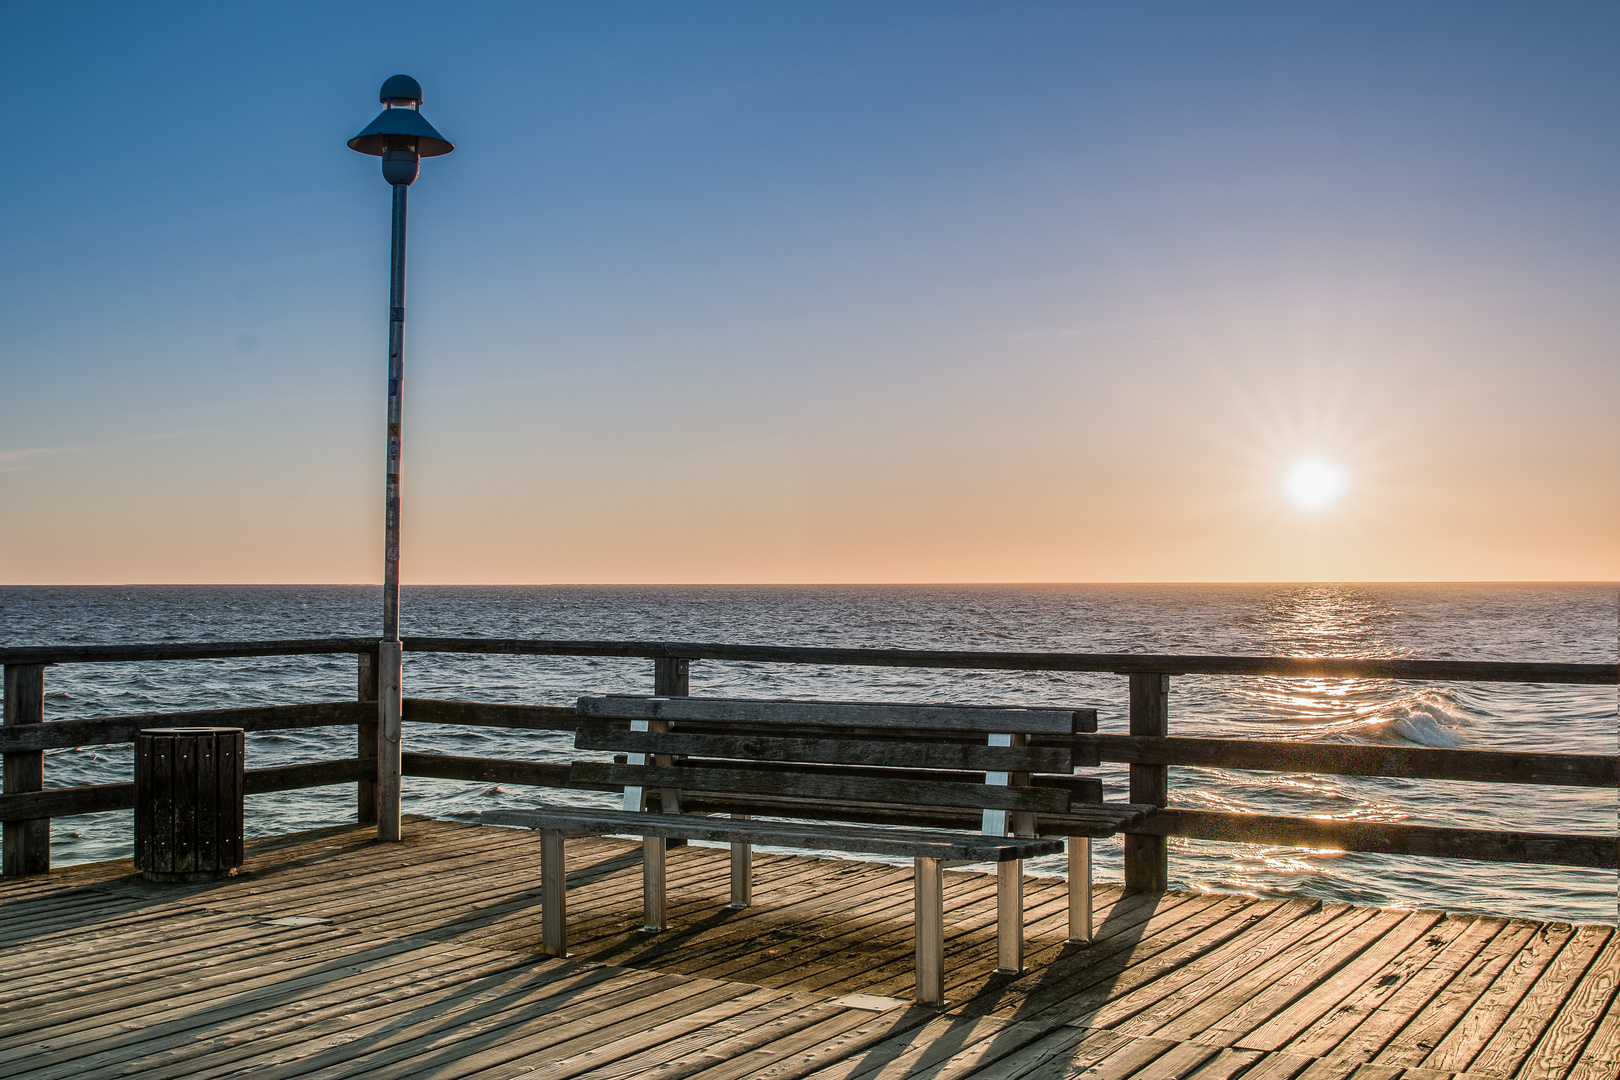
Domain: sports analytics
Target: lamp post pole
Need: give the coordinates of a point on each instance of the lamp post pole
(396, 402)
(401, 136)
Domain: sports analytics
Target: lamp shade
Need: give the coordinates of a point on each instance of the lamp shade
(373, 139)
(403, 96)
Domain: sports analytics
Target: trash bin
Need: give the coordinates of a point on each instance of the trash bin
(188, 803)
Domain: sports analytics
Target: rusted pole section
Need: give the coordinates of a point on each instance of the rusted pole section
(27, 844)
(388, 650)
(366, 741)
(1147, 864)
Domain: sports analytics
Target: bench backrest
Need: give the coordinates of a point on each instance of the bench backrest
(936, 756)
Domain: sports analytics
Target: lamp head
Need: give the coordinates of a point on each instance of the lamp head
(401, 134)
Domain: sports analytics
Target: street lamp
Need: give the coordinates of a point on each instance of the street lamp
(400, 136)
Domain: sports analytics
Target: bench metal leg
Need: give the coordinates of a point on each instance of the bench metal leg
(652, 883)
(930, 920)
(1010, 916)
(1080, 889)
(742, 871)
(553, 894)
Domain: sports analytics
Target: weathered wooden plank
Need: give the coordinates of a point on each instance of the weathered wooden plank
(669, 1053)
(1279, 1032)
(1301, 968)
(400, 1046)
(912, 844)
(1144, 937)
(641, 1045)
(1298, 667)
(1600, 1057)
(96, 798)
(976, 718)
(101, 1010)
(427, 979)
(57, 734)
(1278, 1066)
(565, 1032)
(1414, 1042)
(597, 735)
(180, 650)
(124, 1025)
(805, 784)
(1079, 788)
(1081, 819)
(1189, 1000)
(1419, 988)
(1577, 1020)
(1327, 1036)
(1346, 759)
(1489, 845)
(921, 1051)
(1536, 1011)
(825, 1042)
(308, 1013)
(490, 714)
(491, 770)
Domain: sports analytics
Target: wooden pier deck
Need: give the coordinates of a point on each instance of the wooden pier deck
(333, 955)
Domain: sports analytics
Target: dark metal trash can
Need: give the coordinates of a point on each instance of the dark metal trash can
(188, 803)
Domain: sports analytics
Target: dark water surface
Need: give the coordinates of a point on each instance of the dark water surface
(1473, 622)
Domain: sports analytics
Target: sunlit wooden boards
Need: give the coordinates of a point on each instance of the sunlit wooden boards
(334, 956)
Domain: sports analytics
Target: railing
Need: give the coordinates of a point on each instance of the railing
(26, 806)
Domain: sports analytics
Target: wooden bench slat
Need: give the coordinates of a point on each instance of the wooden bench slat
(1094, 820)
(905, 843)
(966, 718)
(601, 735)
(824, 785)
(1080, 788)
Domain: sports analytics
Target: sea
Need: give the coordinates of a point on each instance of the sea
(1558, 622)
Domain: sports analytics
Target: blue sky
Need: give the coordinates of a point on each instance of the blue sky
(815, 292)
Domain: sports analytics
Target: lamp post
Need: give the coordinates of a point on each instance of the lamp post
(400, 136)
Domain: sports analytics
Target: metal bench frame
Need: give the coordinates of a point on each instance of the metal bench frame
(1007, 834)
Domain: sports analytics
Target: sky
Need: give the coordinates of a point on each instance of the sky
(815, 292)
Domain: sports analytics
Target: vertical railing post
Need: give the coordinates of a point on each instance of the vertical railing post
(1147, 863)
(388, 739)
(366, 740)
(672, 676)
(27, 844)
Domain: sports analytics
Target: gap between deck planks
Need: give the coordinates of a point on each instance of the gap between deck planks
(424, 963)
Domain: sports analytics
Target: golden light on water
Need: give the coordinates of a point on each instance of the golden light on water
(1314, 483)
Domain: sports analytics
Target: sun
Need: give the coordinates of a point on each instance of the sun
(1314, 483)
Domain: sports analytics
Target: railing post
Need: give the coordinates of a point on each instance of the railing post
(27, 844)
(366, 741)
(1147, 863)
(672, 676)
(388, 739)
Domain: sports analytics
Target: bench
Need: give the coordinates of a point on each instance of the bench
(895, 780)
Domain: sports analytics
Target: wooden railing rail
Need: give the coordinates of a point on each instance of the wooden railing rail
(1325, 667)
(181, 650)
(1297, 667)
(1149, 749)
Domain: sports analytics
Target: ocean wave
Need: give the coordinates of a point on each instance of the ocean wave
(1431, 717)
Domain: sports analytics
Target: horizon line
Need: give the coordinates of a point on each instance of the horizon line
(795, 584)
